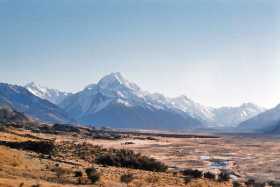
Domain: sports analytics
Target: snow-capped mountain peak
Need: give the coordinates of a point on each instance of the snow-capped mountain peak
(116, 101)
(31, 84)
(115, 81)
(52, 95)
(37, 90)
(113, 78)
(182, 100)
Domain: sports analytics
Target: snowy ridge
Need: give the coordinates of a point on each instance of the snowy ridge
(52, 95)
(193, 108)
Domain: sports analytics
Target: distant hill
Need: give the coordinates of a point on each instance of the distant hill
(20, 99)
(8, 115)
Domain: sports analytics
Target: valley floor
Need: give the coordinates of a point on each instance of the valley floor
(247, 155)
(257, 157)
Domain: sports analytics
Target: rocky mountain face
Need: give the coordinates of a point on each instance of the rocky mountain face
(21, 100)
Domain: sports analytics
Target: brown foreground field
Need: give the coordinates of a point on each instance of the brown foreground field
(245, 157)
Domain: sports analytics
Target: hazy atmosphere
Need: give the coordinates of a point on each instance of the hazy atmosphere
(220, 52)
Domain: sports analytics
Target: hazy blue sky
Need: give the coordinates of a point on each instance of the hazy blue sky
(217, 52)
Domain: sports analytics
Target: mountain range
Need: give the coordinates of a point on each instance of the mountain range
(112, 100)
(20, 99)
(117, 102)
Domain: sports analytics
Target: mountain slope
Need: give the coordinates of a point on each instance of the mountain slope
(116, 102)
(52, 95)
(274, 129)
(262, 122)
(120, 116)
(8, 115)
(23, 101)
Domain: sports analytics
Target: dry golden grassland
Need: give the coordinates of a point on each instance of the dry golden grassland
(246, 156)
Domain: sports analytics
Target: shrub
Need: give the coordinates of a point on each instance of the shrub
(78, 174)
(236, 184)
(80, 179)
(250, 182)
(2, 128)
(224, 176)
(274, 183)
(65, 128)
(129, 159)
(36, 185)
(260, 184)
(253, 183)
(92, 175)
(193, 173)
(129, 143)
(174, 173)
(152, 179)
(43, 147)
(127, 178)
(209, 175)
(60, 171)
(151, 138)
(187, 179)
